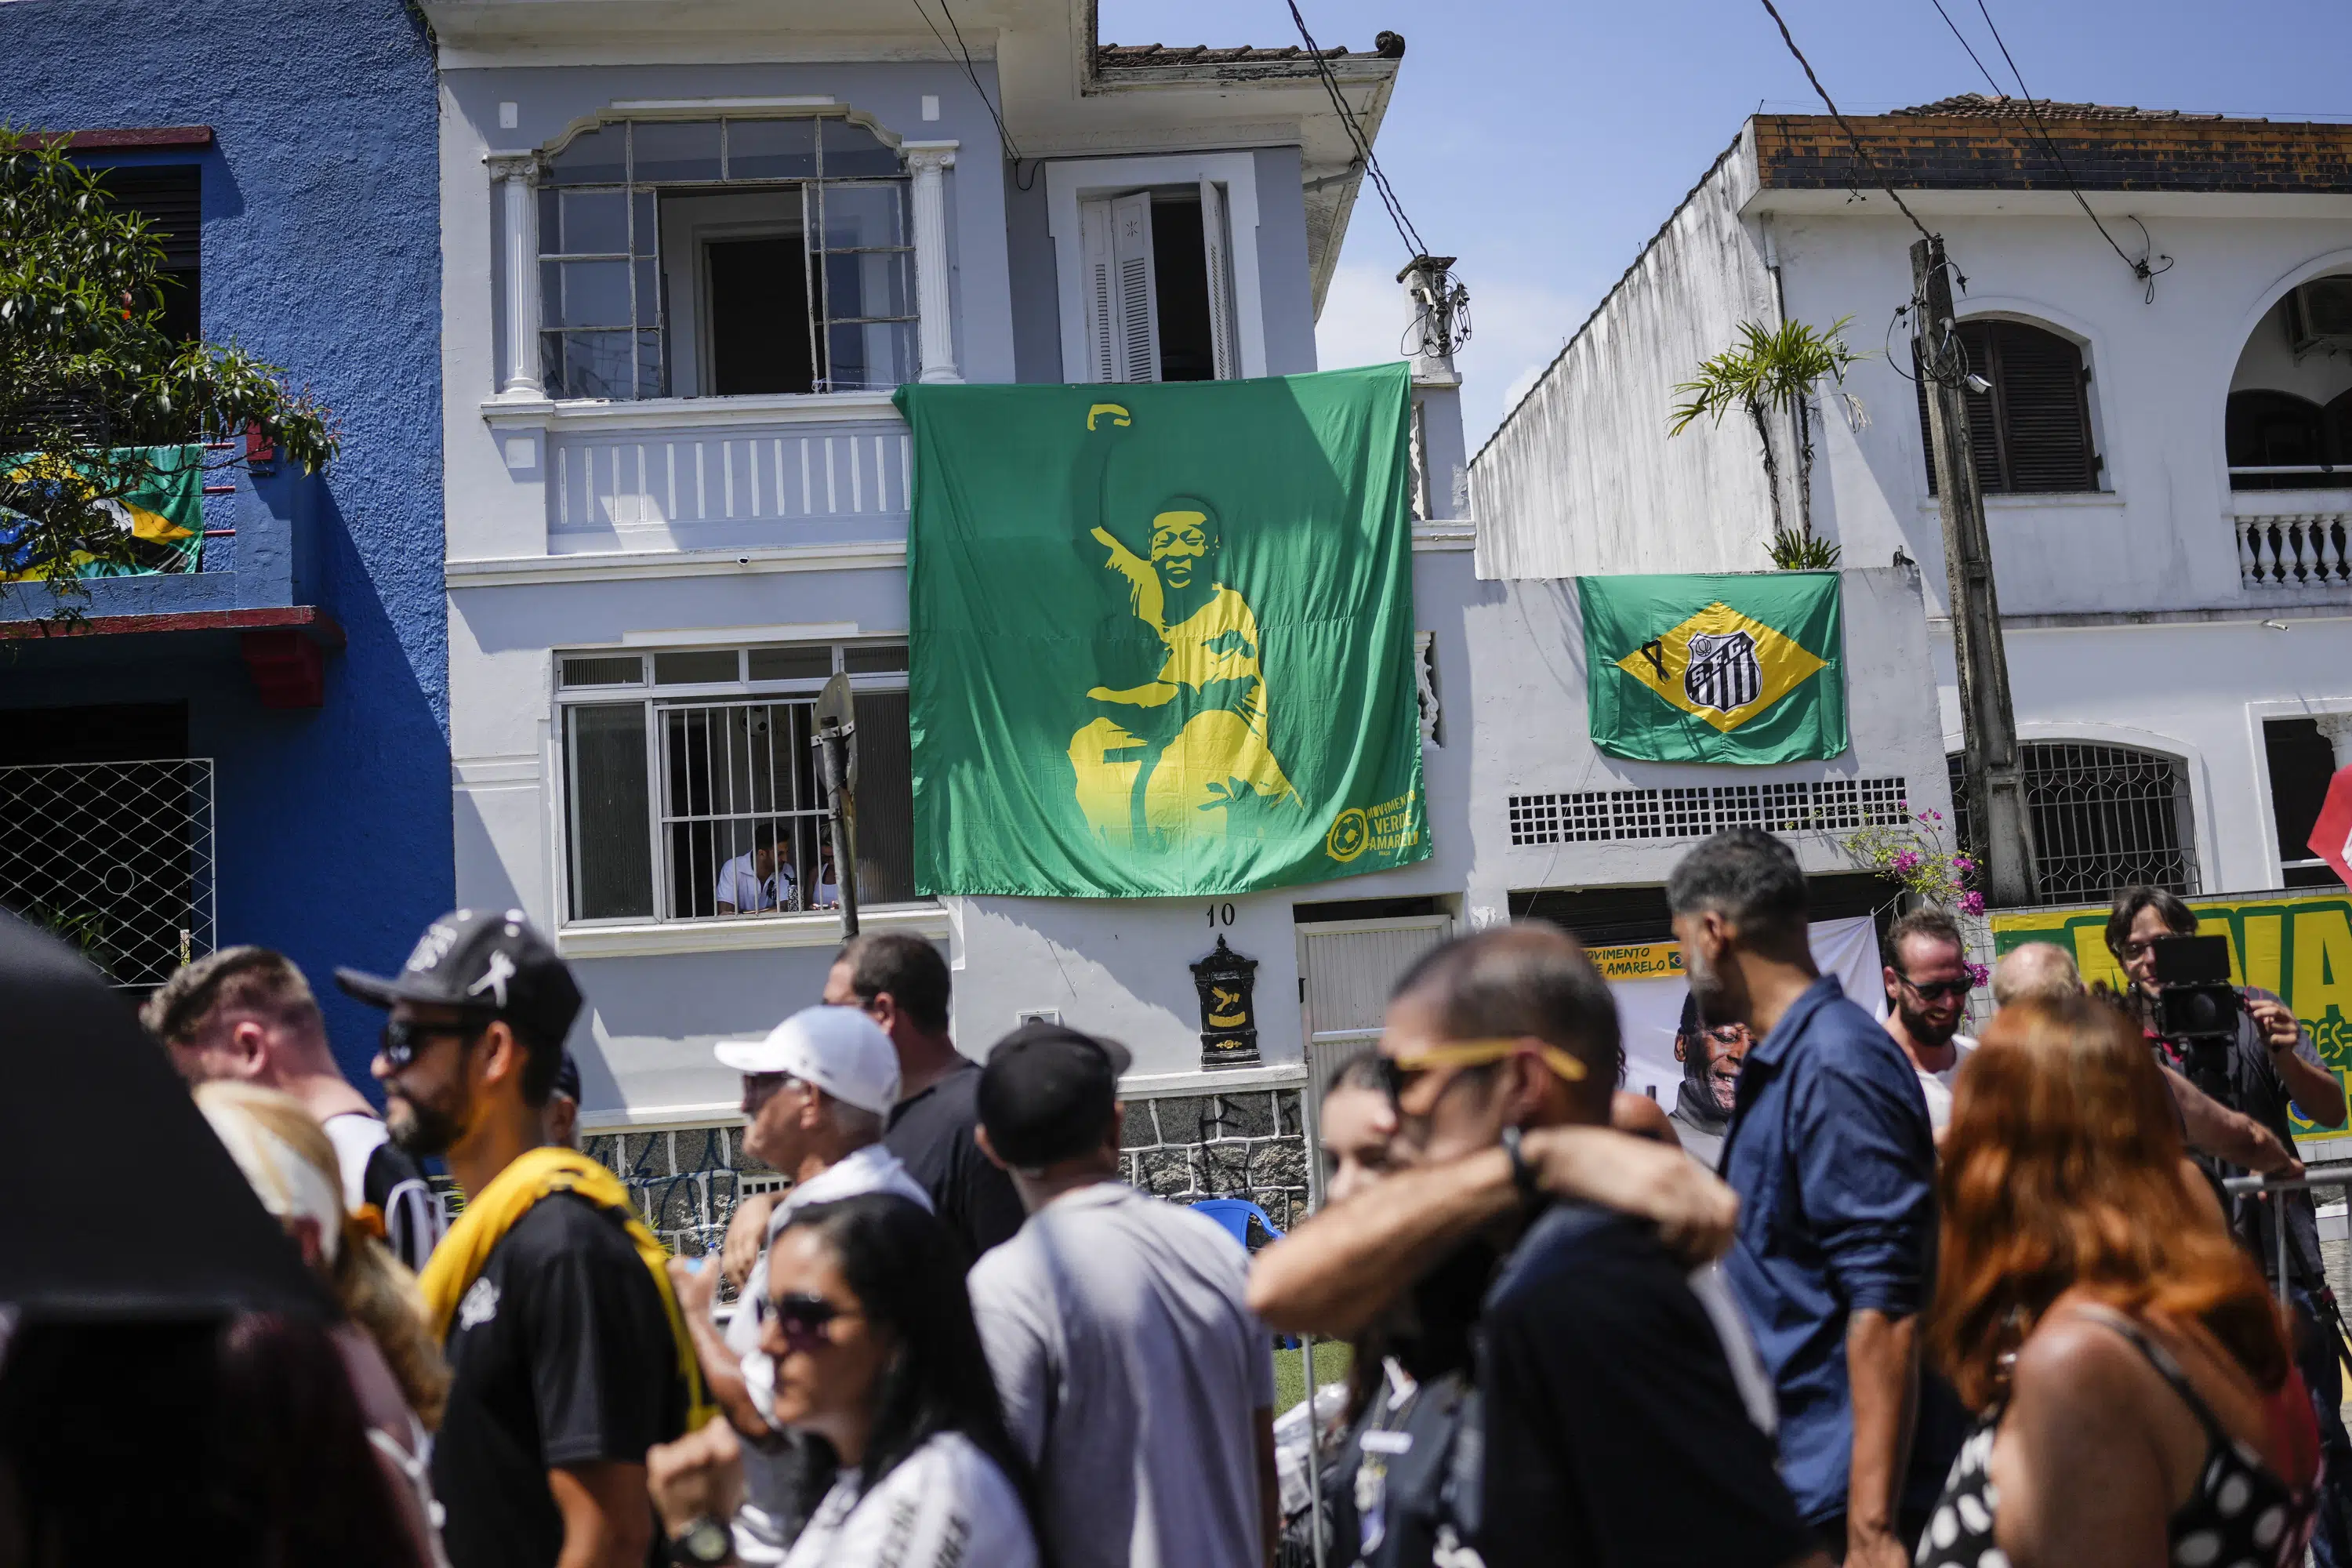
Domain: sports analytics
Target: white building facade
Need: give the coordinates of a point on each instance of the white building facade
(689, 250)
(2166, 454)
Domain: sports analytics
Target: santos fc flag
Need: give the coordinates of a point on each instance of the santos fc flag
(1163, 636)
(1732, 669)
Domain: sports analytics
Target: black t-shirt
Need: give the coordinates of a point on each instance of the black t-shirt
(395, 1184)
(560, 1354)
(931, 1133)
(1615, 1433)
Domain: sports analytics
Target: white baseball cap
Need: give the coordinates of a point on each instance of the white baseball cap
(839, 1049)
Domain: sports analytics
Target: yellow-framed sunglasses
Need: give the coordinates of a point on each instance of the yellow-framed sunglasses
(1398, 1072)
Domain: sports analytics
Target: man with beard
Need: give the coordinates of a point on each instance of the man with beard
(1928, 983)
(567, 1353)
(1710, 1055)
(1832, 1155)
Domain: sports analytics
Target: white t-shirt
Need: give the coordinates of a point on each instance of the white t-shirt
(740, 885)
(1132, 1372)
(767, 1480)
(944, 1505)
(1937, 1086)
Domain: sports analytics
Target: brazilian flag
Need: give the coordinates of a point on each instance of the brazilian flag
(163, 515)
(1746, 668)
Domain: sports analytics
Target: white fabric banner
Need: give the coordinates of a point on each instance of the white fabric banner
(1647, 981)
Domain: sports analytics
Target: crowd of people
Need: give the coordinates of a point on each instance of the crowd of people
(1869, 1292)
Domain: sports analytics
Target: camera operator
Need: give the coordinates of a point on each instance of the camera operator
(2270, 1063)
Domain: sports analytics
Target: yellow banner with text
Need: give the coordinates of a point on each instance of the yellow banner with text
(2299, 946)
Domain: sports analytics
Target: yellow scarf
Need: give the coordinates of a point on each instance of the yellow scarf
(492, 1212)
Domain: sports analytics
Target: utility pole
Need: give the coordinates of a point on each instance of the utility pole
(1987, 721)
(837, 747)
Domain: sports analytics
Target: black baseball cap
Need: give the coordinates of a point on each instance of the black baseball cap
(488, 960)
(1048, 1092)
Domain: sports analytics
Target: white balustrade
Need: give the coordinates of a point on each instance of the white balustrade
(656, 481)
(2293, 545)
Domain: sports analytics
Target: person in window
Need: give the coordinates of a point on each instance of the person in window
(757, 882)
(828, 881)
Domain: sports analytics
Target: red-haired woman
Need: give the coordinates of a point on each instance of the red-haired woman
(2139, 1403)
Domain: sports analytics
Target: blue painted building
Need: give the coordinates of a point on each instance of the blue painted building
(257, 750)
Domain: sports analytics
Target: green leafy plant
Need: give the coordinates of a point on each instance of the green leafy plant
(1803, 551)
(1774, 370)
(83, 930)
(1914, 854)
(90, 381)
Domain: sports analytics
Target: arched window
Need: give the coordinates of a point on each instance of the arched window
(2270, 429)
(2103, 817)
(715, 256)
(2030, 430)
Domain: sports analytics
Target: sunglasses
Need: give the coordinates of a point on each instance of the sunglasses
(403, 1042)
(759, 1088)
(802, 1316)
(1401, 1072)
(1936, 991)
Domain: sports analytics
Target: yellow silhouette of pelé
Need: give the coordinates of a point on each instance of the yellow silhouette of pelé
(1161, 786)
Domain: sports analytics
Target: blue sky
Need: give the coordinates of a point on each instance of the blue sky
(1544, 143)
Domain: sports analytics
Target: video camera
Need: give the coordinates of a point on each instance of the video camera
(2196, 1008)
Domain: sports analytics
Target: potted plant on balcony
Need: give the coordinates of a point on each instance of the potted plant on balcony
(98, 403)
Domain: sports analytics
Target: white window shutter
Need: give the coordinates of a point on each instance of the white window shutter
(1101, 289)
(1138, 294)
(1216, 236)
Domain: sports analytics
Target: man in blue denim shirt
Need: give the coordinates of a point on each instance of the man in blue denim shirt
(1829, 1150)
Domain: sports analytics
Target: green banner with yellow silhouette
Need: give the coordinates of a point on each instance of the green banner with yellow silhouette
(2296, 945)
(1162, 636)
(1735, 668)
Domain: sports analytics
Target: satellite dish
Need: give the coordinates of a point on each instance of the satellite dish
(836, 711)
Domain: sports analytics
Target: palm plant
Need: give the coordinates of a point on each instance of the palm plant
(1775, 370)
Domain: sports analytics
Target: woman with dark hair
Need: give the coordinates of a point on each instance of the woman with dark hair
(2138, 1403)
(876, 1351)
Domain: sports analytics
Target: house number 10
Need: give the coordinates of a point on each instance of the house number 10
(1219, 915)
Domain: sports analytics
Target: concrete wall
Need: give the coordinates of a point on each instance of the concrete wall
(1582, 476)
(2156, 535)
(320, 254)
(1528, 722)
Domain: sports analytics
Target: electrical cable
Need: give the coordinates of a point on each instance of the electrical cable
(1381, 186)
(2142, 268)
(1003, 136)
(1788, 38)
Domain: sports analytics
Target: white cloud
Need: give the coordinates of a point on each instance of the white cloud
(1517, 328)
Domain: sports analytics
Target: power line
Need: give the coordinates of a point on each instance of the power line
(2141, 269)
(1381, 186)
(1003, 136)
(1843, 123)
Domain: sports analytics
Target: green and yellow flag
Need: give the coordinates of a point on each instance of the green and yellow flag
(1163, 636)
(164, 515)
(1732, 669)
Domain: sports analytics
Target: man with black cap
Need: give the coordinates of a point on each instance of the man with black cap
(567, 1353)
(1134, 1377)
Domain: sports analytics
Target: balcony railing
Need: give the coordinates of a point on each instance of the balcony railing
(2296, 540)
(116, 859)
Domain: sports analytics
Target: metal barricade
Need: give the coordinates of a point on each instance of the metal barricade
(2308, 1182)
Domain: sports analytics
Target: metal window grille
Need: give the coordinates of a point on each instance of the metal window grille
(730, 771)
(1805, 806)
(604, 329)
(2102, 817)
(114, 857)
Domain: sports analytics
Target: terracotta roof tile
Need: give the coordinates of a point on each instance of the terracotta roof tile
(1112, 57)
(1979, 106)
